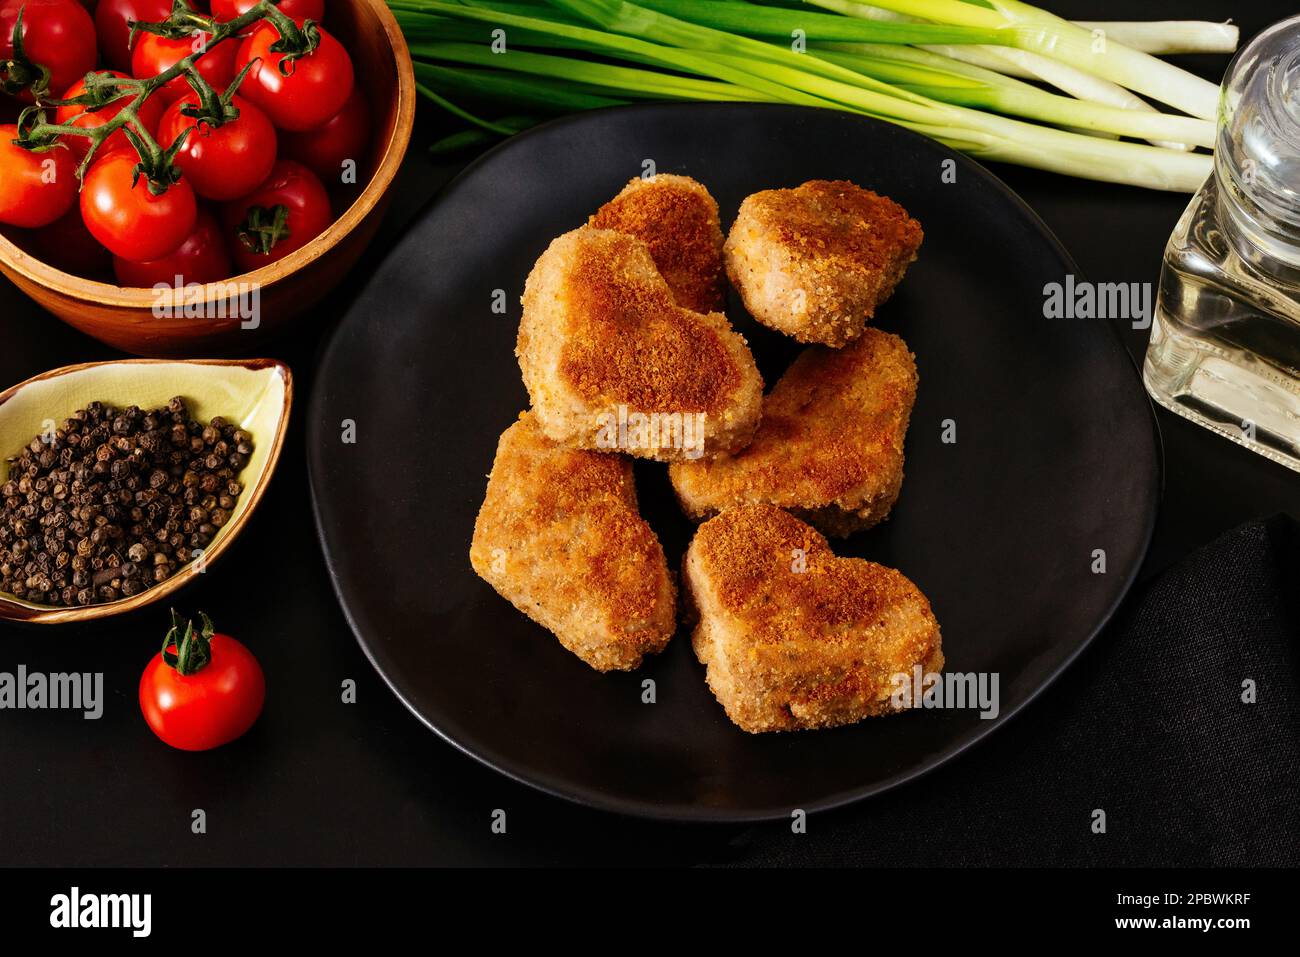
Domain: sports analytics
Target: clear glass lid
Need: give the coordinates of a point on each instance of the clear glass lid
(1257, 159)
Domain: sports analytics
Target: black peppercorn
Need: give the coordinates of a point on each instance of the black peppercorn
(115, 500)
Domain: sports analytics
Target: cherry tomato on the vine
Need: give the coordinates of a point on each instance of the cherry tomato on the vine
(57, 34)
(149, 113)
(113, 26)
(202, 690)
(316, 87)
(153, 54)
(67, 244)
(36, 188)
(201, 258)
(129, 219)
(289, 210)
(223, 162)
(342, 137)
(225, 10)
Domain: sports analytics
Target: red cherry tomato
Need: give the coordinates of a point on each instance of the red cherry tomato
(149, 114)
(201, 258)
(153, 54)
(299, 10)
(67, 244)
(130, 220)
(113, 26)
(225, 162)
(306, 213)
(342, 137)
(57, 34)
(201, 693)
(316, 88)
(35, 188)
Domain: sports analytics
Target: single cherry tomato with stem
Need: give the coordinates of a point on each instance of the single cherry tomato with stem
(123, 212)
(325, 149)
(36, 187)
(68, 245)
(113, 26)
(148, 115)
(203, 689)
(153, 54)
(298, 94)
(58, 35)
(201, 258)
(221, 162)
(285, 213)
(226, 10)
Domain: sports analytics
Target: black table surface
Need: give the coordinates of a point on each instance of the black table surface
(323, 782)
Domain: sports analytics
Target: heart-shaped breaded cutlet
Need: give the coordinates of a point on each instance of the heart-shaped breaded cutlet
(793, 636)
(830, 444)
(612, 363)
(560, 537)
(678, 221)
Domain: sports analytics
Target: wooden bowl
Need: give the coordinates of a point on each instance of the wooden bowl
(255, 393)
(126, 318)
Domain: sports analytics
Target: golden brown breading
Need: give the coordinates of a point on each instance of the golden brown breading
(816, 261)
(794, 637)
(678, 220)
(559, 536)
(829, 447)
(602, 341)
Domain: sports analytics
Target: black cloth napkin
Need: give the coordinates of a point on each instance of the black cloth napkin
(1149, 726)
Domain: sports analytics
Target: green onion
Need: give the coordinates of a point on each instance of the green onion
(473, 138)
(1170, 36)
(566, 55)
(1028, 28)
(633, 20)
(630, 82)
(928, 74)
(550, 93)
(1077, 83)
(1083, 86)
(759, 21)
(673, 58)
(959, 83)
(466, 115)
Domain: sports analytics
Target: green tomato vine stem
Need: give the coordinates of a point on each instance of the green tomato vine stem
(185, 649)
(156, 161)
(19, 72)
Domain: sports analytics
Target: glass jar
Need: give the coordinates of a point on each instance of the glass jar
(1225, 340)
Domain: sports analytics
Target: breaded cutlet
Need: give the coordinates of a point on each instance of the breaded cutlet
(794, 637)
(829, 447)
(678, 220)
(602, 341)
(560, 537)
(816, 261)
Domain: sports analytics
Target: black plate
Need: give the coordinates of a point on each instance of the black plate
(1056, 457)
